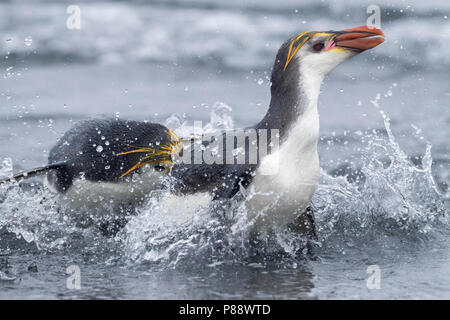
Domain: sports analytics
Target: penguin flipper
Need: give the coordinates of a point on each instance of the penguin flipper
(34, 172)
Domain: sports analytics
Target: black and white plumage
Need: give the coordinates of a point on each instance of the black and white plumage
(111, 152)
(94, 149)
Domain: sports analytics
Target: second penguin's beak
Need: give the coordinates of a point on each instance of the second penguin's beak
(358, 39)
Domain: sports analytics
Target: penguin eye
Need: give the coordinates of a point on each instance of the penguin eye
(318, 46)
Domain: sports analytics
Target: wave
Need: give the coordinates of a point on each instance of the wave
(228, 35)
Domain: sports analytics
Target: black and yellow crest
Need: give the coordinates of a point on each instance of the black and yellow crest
(156, 155)
(298, 42)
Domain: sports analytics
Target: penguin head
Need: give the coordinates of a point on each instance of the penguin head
(316, 53)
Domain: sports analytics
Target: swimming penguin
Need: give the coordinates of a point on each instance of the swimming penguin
(119, 161)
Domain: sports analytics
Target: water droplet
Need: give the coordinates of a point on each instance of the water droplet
(106, 143)
(260, 81)
(28, 41)
(103, 137)
(99, 149)
(107, 167)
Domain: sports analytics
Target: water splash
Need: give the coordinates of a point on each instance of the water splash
(31, 219)
(220, 119)
(394, 201)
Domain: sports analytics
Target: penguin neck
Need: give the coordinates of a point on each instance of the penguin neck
(291, 100)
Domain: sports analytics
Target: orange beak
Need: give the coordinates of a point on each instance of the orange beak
(359, 38)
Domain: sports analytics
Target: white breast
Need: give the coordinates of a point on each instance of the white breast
(278, 197)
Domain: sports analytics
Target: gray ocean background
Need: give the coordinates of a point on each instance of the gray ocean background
(384, 151)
